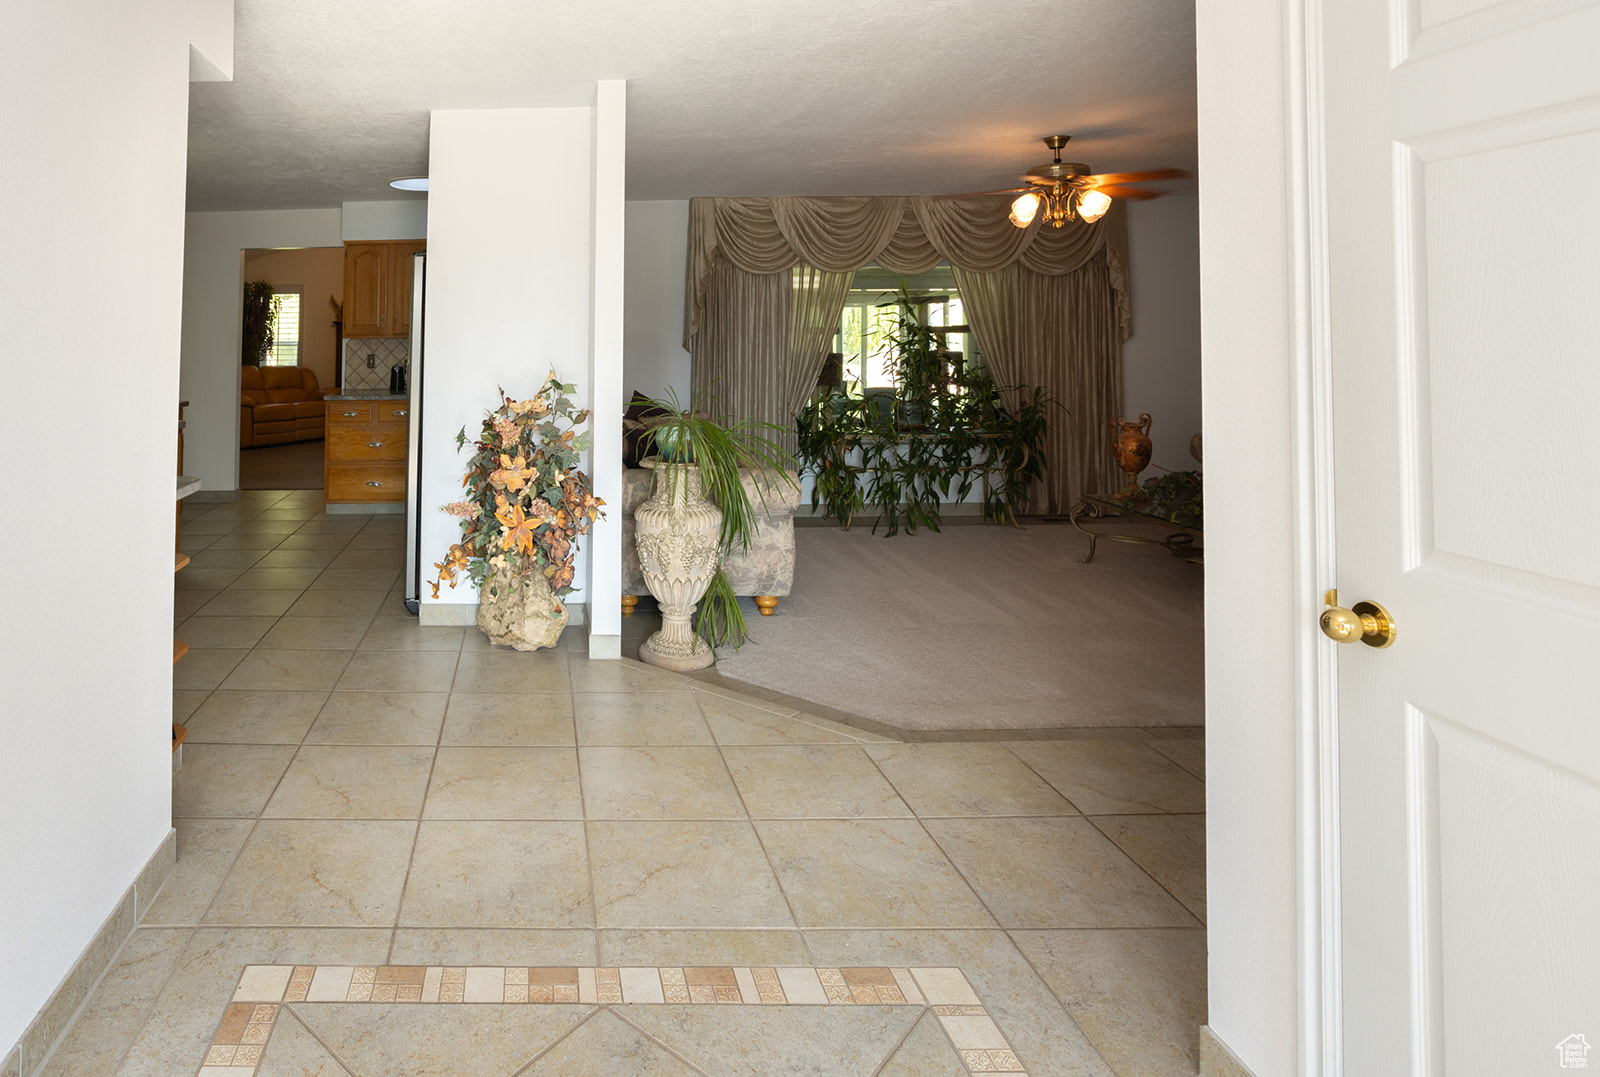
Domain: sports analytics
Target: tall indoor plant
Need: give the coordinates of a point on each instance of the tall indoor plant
(526, 501)
(699, 509)
(259, 323)
(948, 430)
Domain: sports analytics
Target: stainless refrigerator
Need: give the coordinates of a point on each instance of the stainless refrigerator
(418, 375)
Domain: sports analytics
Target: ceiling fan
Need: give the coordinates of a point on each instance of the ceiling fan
(1064, 190)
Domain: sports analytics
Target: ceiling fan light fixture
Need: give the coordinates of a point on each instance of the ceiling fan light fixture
(410, 183)
(1092, 205)
(1024, 209)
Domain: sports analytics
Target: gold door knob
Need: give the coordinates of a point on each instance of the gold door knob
(1365, 621)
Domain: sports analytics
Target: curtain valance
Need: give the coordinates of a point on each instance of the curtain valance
(902, 234)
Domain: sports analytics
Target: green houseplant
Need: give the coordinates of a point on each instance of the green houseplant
(259, 322)
(947, 431)
(699, 487)
(1176, 496)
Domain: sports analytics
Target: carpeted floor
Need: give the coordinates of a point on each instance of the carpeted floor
(984, 628)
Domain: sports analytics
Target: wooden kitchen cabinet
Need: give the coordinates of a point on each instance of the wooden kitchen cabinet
(365, 453)
(377, 287)
(402, 270)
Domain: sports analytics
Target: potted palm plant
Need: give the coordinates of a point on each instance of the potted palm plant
(699, 508)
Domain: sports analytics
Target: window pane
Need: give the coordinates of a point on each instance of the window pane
(850, 322)
(880, 323)
(286, 334)
(871, 313)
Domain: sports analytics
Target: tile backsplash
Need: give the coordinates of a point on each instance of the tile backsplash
(386, 352)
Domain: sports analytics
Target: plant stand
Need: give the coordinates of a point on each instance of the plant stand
(1180, 543)
(676, 532)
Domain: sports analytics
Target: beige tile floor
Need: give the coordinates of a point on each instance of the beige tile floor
(359, 791)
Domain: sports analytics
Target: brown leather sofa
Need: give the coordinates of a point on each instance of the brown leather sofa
(279, 404)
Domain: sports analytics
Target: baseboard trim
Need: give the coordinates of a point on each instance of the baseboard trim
(1216, 1060)
(964, 511)
(212, 497)
(448, 613)
(466, 613)
(63, 1005)
(604, 648)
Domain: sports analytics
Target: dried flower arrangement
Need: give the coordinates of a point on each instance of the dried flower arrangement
(526, 498)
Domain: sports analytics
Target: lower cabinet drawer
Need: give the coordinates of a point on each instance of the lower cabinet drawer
(376, 481)
(368, 441)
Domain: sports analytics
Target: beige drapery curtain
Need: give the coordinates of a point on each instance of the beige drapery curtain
(762, 340)
(767, 278)
(1062, 332)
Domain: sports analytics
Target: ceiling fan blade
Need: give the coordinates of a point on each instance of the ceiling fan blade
(1138, 194)
(981, 194)
(1114, 178)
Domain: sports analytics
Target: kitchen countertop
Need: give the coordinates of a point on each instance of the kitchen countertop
(371, 394)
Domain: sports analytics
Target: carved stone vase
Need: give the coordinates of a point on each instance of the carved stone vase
(676, 531)
(520, 611)
(1132, 449)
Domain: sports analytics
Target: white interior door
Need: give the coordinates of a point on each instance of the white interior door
(1463, 199)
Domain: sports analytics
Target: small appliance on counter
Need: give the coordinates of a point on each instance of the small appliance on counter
(397, 378)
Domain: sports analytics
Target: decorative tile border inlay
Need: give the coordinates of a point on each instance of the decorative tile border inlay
(248, 1021)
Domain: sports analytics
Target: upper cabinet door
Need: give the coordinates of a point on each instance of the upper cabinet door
(402, 266)
(366, 289)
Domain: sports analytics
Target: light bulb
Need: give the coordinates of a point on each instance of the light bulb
(1024, 208)
(1092, 205)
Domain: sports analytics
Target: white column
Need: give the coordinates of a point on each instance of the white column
(509, 256)
(604, 590)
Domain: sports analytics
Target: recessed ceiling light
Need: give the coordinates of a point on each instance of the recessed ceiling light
(410, 183)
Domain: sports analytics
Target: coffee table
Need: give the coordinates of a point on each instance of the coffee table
(1182, 542)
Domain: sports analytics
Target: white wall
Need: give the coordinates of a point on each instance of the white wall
(399, 219)
(1248, 339)
(319, 273)
(213, 250)
(1161, 361)
(210, 40)
(509, 277)
(657, 257)
(91, 265)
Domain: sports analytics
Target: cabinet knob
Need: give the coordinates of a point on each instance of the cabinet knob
(374, 444)
(398, 414)
(348, 414)
(374, 483)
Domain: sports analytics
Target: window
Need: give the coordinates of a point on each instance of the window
(871, 312)
(285, 350)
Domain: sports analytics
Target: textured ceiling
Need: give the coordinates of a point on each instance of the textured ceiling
(330, 100)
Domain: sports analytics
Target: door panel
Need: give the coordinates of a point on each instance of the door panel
(1514, 901)
(366, 289)
(1509, 400)
(1463, 142)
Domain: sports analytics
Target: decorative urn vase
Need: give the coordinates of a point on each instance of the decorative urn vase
(1132, 449)
(676, 532)
(520, 611)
